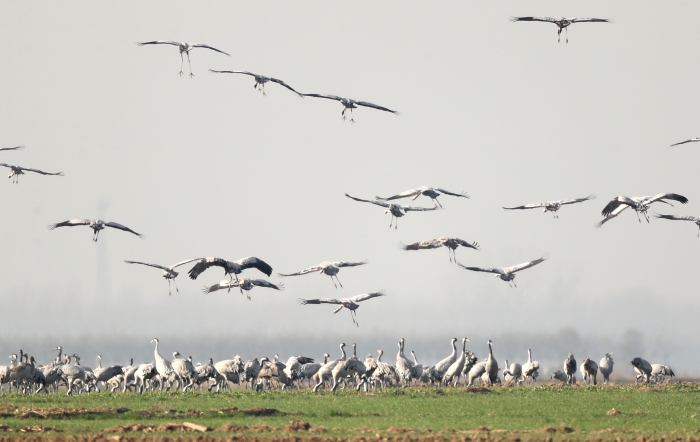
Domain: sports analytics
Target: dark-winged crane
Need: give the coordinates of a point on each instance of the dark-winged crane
(231, 268)
(639, 203)
(96, 225)
(430, 192)
(506, 273)
(694, 219)
(562, 23)
(692, 140)
(260, 81)
(450, 243)
(184, 48)
(246, 284)
(349, 303)
(16, 171)
(169, 273)
(551, 206)
(396, 210)
(330, 268)
(349, 103)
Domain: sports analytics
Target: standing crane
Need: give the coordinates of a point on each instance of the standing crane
(96, 225)
(640, 204)
(562, 23)
(551, 206)
(506, 273)
(169, 273)
(330, 268)
(349, 303)
(260, 81)
(430, 192)
(450, 243)
(184, 48)
(349, 103)
(16, 171)
(396, 210)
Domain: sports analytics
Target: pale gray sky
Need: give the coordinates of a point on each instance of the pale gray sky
(209, 167)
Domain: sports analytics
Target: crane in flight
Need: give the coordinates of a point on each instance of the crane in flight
(11, 148)
(169, 272)
(184, 48)
(246, 284)
(692, 140)
(16, 171)
(694, 219)
(450, 243)
(96, 225)
(562, 23)
(231, 268)
(330, 268)
(430, 192)
(551, 206)
(349, 103)
(639, 203)
(349, 303)
(260, 81)
(506, 273)
(396, 210)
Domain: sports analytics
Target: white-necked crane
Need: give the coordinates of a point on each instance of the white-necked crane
(506, 273)
(450, 243)
(330, 268)
(260, 81)
(246, 284)
(692, 140)
(551, 206)
(96, 225)
(562, 23)
(694, 219)
(349, 103)
(11, 148)
(349, 303)
(430, 192)
(169, 273)
(184, 48)
(396, 210)
(639, 203)
(16, 171)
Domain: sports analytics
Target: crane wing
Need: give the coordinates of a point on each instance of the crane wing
(612, 215)
(330, 97)
(349, 264)
(692, 140)
(122, 227)
(366, 104)
(41, 171)
(668, 196)
(526, 206)
(366, 296)
(148, 264)
(676, 217)
(589, 20)
(282, 83)
(479, 269)
(5, 165)
(474, 245)
(199, 45)
(378, 203)
(577, 200)
(614, 204)
(269, 285)
(417, 209)
(425, 244)
(204, 264)
(183, 263)
(12, 148)
(525, 265)
(320, 301)
(225, 284)
(406, 194)
(159, 42)
(303, 272)
(233, 72)
(256, 263)
(71, 223)
(446, 192)
(542, 19)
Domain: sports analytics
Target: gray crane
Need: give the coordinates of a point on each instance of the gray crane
(551, 206)
(16, 171)
(694, 219)
(450, 243)
(11, 148)
(570, 368)
(396, 210)
(430, 192)
(562, 23)
(491, 365)
(640, 203)
(184, 48)
(245, 284)
(96, 225)
(169, 273)
(330, 268)
(643, 367)
(260, 81)
(506, 273)
(349, 303)
(349, 103)
(231, 268)
(692, 140)
(530, 368)
(606, 367)
(442, 366)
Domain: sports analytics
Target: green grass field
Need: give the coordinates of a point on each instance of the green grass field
(527, 412)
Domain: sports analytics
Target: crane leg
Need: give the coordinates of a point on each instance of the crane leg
(559, 36)
(188, 62)
(182, 62)
(567, 35)
(336, 278)
(343, 114)
(262, 87)
(333, 282)
(396, 223)
(437, 202)
(352, 120)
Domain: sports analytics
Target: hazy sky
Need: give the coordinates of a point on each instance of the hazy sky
(209, 167)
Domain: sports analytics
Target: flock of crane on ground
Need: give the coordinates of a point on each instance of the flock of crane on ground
(23, 375)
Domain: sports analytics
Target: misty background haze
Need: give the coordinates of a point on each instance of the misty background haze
(208, 167)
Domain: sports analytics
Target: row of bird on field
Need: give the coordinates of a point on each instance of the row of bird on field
(23, 374)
